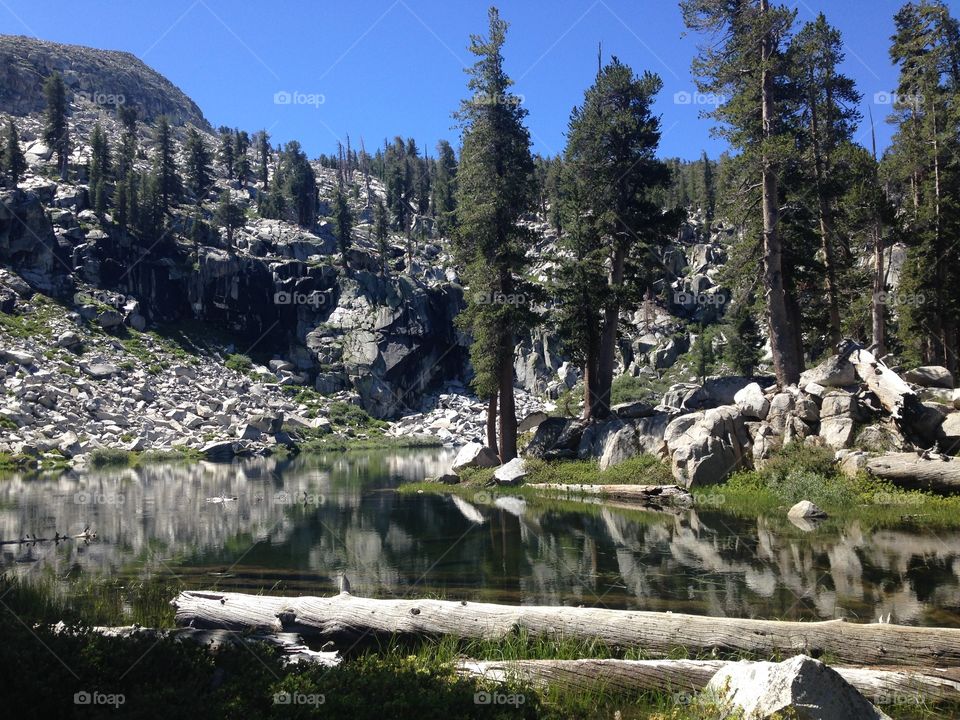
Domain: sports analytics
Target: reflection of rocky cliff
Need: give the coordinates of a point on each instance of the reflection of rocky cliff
(302, 521)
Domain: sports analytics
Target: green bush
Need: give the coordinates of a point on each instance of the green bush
(240, 363)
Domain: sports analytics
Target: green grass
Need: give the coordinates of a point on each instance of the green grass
(389, 678)
(642, 470)
(117, 457)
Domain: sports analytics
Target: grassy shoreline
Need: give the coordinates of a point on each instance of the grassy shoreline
(796, 473)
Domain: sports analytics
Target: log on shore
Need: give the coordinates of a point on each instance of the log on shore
(290, 644)
(919, 685)
(913, 471)
(345, 617)
(642, 494)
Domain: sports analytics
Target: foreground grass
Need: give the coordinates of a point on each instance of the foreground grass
(147, 678)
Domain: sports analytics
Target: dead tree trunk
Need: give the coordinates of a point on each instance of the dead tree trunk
(345, 617)
(912, 471)
(631, 676)
(918, 423)
(643, 494)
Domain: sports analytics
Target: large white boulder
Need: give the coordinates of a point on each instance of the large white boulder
(832, 372)
(474, 455)
(801, 688)
(511, 473)
(704, 447)
(930, 376)
(752, 402)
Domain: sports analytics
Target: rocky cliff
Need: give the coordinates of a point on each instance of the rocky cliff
(99, 77)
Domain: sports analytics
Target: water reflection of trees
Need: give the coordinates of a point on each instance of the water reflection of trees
(299, 522)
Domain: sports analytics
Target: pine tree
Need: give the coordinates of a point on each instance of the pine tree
(240, 148)
(99, 169)
(493, 189)
(343, 222)
(381, 225)
(746, 68)
(709, 190)
(56, 131)
(227, 150)
(169, 185)
(128, 141)
(444, 187)
(263, 155)
(199, 171)
(612, 172)
(924, 162)
(14, 164)
(228, 216)
(827, 102)
(293, 190)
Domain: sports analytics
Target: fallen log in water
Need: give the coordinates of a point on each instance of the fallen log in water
(917, 685)
(643, 494)
(347, 618)
(913, 471)
(290, 644)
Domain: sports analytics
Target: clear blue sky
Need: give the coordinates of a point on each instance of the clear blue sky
(395, 67)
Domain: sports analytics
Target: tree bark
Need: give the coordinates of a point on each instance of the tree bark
(347, 618)
(826, 225)
(492, 421)
(786, 364)
(878, 304)
(924, 685)
(608, 335)
(508, 413)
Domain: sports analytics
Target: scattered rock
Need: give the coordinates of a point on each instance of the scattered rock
(800, 687)
(930, 376)
(752, 402)
(835, 371)
(511, 473)
(474, 455)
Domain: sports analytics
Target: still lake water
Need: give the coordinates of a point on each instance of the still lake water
(293, 525)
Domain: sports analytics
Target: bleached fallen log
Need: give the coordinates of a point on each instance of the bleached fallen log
(913, 471)
(643, 494)
(290, 644)
(918, 685)
(348, 618)
(918, 423)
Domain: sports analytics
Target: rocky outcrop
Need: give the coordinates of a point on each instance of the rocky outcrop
(704, 447)
(99, 77)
